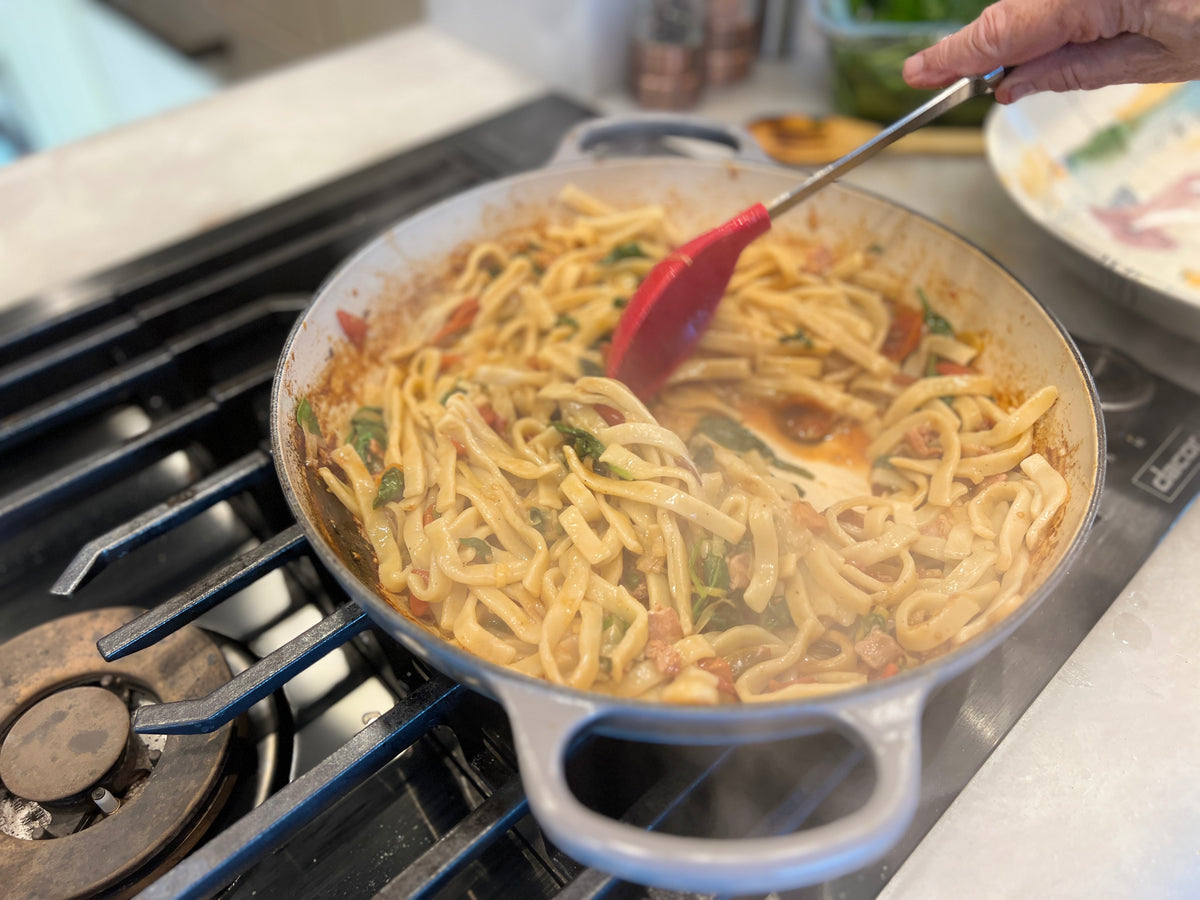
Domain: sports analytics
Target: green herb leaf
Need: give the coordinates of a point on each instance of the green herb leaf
(931, 366)
(632, 579)
(368, 436)
(391, 487)
(614, 624)
(709, 574)
(733, 436)
(876, 619)
(776, 614)
(936, 323)
(306, 418)
(585, 443)
(483, 550)
(620, 302)
(616, 471)
(457, 389)
(588, 366)
(492, 269)
(797, 337)
(632, 250)
(569, 321)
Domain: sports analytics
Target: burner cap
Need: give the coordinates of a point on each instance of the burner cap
(62, 734)
(64, 745)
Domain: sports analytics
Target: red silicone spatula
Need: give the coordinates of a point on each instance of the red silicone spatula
(672, 307)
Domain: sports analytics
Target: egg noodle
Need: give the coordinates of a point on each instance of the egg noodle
(541, 517)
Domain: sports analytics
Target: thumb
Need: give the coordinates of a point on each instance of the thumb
(1125, 59)
(1005, 34)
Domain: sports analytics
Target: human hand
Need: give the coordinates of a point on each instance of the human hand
(1067, 45)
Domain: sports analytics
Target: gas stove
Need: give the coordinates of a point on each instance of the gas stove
(191, 706)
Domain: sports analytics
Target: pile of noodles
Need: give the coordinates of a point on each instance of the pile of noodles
(540, 516)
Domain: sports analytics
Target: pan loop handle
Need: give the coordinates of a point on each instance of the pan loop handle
(638, 128)
(547, 723)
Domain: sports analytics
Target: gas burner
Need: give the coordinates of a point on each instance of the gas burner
(88, 806)
(1121, 383)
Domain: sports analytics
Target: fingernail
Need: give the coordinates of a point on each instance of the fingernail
(1021, 90)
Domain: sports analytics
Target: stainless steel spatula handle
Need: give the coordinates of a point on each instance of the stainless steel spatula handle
(961, 90)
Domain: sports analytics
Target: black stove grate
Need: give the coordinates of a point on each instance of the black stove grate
(134, 468)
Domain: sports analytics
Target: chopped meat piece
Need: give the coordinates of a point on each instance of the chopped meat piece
(818, 260)
(878, 649)
(664, 625)
(739, 570)
(939, 527)
(918, 438)
(665, 656)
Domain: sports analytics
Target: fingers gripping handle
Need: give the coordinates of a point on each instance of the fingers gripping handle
(545, 726)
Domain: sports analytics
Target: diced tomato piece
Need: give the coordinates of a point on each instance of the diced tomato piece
(417, 606)
(806, 514)
(804, 422)
(462, 317)
(424, 573)
(449, 360)
(430, 515)
(494, 420)
(904, 334)
(719, 666)
(947, 367)
(458, 448)
(889, 670)
(355, 327)
(610, 415)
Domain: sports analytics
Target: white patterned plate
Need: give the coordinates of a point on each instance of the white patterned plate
(1115, 174)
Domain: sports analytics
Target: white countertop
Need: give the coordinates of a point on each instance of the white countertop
(1094, 793)
(86, 206)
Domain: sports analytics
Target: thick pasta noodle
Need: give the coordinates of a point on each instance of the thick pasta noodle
(827, 493)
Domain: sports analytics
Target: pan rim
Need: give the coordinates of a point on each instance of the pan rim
(481, 675)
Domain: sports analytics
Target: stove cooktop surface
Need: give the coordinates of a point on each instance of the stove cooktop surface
(133, 473)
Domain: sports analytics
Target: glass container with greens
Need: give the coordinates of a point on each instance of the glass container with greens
(868, 43)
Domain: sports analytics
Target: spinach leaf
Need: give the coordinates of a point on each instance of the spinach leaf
(876, 619)
(483, 550)
(391, 487)
(306, 418)
(589, 366)
(368, 436)
(569, 321)
(457, 389)
(733, 436)
(585, 443)
(797, 337)
(936, 323)
(632, 250)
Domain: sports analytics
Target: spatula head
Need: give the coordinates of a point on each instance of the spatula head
(672, 308)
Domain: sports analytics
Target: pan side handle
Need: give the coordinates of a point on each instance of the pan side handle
(580, 141)
(545, 726)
